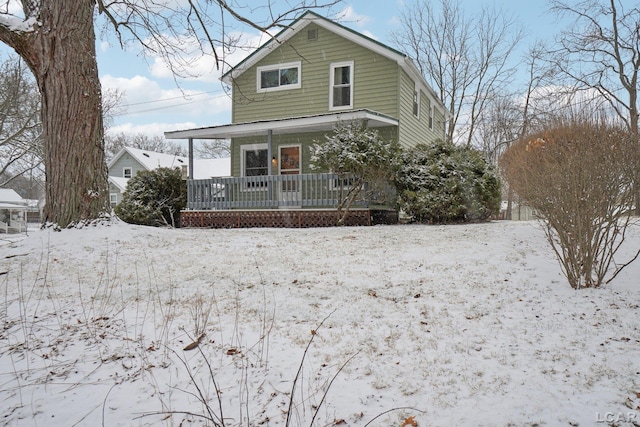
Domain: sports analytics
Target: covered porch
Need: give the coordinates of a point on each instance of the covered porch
(13, 212)
(277, 180)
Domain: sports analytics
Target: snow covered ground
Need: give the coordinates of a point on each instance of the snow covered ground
(467, 325)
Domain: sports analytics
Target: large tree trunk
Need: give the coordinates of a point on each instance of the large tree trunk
(61, 54)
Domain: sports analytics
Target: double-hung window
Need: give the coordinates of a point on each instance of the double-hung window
(127, 172)
(416, 100)
(254, 163)
(279, 77)
(341, 85)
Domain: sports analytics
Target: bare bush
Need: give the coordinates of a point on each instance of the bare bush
(577, 176)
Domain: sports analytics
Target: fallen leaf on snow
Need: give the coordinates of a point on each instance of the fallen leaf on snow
(194, 344)
(410, 422)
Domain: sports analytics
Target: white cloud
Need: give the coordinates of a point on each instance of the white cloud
(143, 96)
(203, 67)
(349, 16)
(394, 21)
(150, 129)
(370, 35)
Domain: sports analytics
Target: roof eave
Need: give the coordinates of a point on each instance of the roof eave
(323, 122)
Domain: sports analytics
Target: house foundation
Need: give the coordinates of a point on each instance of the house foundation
(300, 218)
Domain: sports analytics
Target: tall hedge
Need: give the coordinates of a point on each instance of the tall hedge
(443, 183)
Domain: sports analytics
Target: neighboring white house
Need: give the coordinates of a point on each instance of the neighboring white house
(129, 161)
(13, 209)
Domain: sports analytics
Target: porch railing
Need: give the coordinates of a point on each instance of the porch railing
(269, 192)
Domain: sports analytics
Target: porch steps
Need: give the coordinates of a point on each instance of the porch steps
(299, 218)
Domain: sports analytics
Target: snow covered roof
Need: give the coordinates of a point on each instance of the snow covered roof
(203, 168)
(150, 159)
(9, 196)
(207, 168)
(119, 182)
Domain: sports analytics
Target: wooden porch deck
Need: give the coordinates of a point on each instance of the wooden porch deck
(279, 218)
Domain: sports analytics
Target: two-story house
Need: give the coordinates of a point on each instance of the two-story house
(288, 95)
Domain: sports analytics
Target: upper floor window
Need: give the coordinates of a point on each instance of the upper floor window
(127, 172)
(279, 77)
(416, 101)
(341, 85)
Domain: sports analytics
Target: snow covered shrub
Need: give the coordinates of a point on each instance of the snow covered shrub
(578, 177)
(360, 158)
(443, 183)
(154, 198)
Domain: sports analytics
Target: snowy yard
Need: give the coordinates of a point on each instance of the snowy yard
(467, 325)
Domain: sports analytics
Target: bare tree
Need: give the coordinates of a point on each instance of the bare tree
(20, 142)
(509, 118)
(56, 39)
(213, 149)
(115, 142)
(112, 105)
(465, 58)
(576, 175)
(600, 53)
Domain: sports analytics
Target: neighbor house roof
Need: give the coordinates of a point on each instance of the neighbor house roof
(151, 159)
(10, 198)
(203, 168)
(208, 168)
(119, 182)
(311, 17)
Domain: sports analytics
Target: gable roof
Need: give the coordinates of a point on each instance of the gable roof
(403, 60)
(9, 199)
(7, 195)
(203, 168)
(150, 159)
(119, 182)
(208, 168)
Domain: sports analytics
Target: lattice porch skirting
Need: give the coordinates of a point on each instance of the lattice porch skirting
(303, 218)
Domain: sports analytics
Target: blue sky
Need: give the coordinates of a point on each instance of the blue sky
(153, 103)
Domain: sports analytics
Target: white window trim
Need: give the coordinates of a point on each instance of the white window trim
(416, 101)
(259, 71)
(251, 147)
(124, 172)
(431, 116)
(113, 198)
(299, 154)
(332, 68)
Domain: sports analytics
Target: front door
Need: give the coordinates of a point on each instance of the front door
(289, 169)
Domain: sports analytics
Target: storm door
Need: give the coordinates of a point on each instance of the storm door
(290, 186)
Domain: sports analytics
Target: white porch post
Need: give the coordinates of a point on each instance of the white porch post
(270, 151)
(190, 158)
(270, 164)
